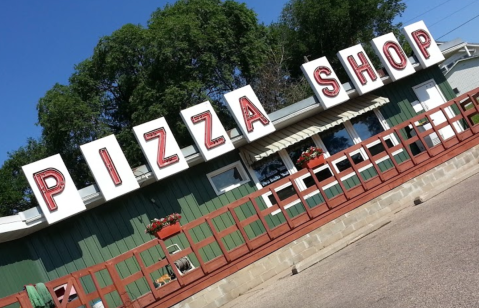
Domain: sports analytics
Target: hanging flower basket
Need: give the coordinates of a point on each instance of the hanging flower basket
(310, 158)
(312, 163)
(163, 228)
(168, 231)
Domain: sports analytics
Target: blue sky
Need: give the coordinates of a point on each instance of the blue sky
(41, 41)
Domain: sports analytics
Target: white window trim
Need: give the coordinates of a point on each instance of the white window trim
(257, 182)
(291, 167)
(239, 166)
(386, 126)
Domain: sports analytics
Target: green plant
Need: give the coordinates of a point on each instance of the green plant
(158, 224)
(307, 155)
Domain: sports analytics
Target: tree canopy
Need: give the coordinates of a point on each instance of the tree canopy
(314, 29)
(189, 52)
(15, 193)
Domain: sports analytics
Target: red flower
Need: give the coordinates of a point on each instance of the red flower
(158, 224)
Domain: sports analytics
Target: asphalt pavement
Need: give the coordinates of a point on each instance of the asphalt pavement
(427, 256)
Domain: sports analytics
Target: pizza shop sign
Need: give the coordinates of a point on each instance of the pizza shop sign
(59, 198)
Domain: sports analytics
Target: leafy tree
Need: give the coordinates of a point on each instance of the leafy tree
(16, 194)
(68, 121)
(273, 84)
(317, 28)
(191, 51)
(202, 49)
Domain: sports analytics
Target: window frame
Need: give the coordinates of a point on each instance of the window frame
(291, 167)
(241, 170)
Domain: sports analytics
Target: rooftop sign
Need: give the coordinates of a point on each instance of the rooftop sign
(59, 198)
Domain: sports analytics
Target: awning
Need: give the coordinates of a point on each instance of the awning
(297, 132)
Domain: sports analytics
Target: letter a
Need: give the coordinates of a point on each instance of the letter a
(251, 114)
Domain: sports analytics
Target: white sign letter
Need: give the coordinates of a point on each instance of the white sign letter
(160, 148)
(109, 166)
(360, 69)
(207, 131)
(54, 189)
(325, 83)
(424, 46)
(248, 113)
(392, 56)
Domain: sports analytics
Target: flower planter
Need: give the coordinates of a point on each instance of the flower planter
(317, 161)
(168, 231)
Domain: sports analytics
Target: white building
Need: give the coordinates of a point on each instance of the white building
(461, 66)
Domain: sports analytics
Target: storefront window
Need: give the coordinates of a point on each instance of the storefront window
(367, 125)
(295, 150)
(321, 175)
(270, 170)
(345, 164)
(336, 139)
(227, 178)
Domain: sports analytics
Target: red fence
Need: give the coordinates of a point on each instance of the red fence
(411, 148)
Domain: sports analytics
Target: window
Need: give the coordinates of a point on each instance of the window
(367, 125)
(354, 131)
(332, 141)
(376, 148)
(228, 177)
(270, 170)
(295, 150)
(345, 164)
(322, 174)
(336, 139)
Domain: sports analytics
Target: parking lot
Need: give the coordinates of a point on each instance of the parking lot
(428, 256)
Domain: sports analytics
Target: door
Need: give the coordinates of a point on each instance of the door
(431, 97)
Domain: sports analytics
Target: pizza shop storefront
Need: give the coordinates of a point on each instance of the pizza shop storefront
(231, 205)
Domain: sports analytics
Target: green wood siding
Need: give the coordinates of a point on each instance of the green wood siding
(18, 262)
(117, 226)
(401, 94)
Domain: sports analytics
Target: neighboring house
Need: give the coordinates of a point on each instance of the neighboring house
(461, 66)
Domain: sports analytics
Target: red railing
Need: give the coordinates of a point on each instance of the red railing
(411, 148)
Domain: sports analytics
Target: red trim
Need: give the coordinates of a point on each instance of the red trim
(161, 160)
(49, 192)
(423, 41)
(251, 114)
(110, 166)
(206, 116)
(364, 67)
